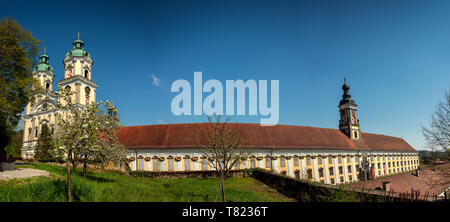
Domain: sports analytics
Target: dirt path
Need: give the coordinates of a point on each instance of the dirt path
(22, 173)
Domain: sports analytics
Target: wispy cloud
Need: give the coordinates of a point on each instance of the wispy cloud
(156, 81)
(161, 121)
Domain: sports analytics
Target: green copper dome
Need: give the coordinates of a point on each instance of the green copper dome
(78, 49)
(43, 63)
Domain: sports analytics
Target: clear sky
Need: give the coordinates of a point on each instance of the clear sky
(395, 54)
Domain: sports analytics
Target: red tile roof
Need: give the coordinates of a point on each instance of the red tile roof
(433, 182)
(256, 136)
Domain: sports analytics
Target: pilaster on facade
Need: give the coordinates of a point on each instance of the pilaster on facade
(353, 168)
(315, 170)
(195, 166)
(162, 165)
(344, 163)
(178, 166)
(376, 163)
(289, 167)
(336, 171)
(403, 163)
(147, 164)
(133, 165)
(275, 165)
(326, 171)
(303, 167)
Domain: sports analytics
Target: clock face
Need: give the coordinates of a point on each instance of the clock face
(69, 73)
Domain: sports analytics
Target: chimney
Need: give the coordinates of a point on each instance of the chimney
(417, 172)
(387, 186)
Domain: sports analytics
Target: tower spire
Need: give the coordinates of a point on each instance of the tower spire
(346, 97)
(348, 123)
(78, 35)
(44, 49)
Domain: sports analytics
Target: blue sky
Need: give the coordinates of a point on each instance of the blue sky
(395, 54)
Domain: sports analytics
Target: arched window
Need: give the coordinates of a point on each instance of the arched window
(68, 89)
(36, 133)
(87, 91)
(170, 163)
(356, 134)
(140, 163)
(252, 162)
(297, 174)
(268, 162)
(155, 163)
(86, 73)
(47, 86)
(187, 163)
(204, 164)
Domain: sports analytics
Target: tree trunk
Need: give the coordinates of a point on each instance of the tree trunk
(223, 189)
(84, 169)
(69, 192)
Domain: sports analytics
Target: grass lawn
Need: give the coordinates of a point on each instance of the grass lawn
(112, 186)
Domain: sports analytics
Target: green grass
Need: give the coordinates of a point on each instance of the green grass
(112, 186)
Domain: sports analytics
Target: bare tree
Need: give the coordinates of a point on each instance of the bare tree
(222, 149)
(438, 178)
(437, 136)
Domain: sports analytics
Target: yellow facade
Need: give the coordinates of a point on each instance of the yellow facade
(327, 173)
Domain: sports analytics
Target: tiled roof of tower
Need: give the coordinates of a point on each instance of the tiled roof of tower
(172, 136)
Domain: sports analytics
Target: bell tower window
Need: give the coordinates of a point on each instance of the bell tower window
(47, 86)
(86, 74)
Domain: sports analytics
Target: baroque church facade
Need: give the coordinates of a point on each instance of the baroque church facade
(43, 110)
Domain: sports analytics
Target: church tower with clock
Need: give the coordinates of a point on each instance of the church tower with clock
(348, 123)
(43, 108)
(78, 76)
